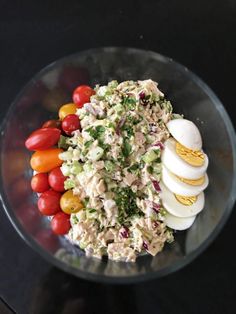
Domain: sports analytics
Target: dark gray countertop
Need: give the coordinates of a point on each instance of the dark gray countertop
(199, 34)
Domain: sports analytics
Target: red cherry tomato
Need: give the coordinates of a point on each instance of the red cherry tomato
(61, 223)
(52, 124)
(70, 123)
(29, 216)
(42, 139)
(56, 180)
(39, 183)
(82, 94)
(47, 239)
(49, 203)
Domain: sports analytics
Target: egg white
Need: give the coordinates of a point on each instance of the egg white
(186, 133)
(177, 223)
(177, 186)
(178, 166)
(174, 207)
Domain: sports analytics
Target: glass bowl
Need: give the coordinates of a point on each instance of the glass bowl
(52, 87)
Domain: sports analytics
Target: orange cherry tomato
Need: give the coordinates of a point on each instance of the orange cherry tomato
(70, 203)
(46, 160)
(67, 109)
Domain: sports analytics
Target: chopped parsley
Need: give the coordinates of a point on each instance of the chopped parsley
(91, 210)
(96, 132)
(63, 142)
(129, 103)
(125, 200)
(88, 143)
(128, 129)
(126, 149)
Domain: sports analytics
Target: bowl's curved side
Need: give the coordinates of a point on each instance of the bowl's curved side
(93, 66)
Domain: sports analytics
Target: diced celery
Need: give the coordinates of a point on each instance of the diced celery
(102, 91)
(76, 168)
(91, 213)
(144, 129)
(150, 139)
(118, 108)
(111, 185)
(66, 155)
(176, 116)
(69, 184)
(156, 168)
(82, 245)
(113, 84)
(65, 169)
(109, 165)
(88, 167)
(95, 153)
(150, 156)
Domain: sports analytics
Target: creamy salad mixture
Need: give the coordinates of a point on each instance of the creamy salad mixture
(115, 166)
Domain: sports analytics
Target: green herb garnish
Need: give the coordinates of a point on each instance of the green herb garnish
(125, 200)
(126, 149)
(62, 142)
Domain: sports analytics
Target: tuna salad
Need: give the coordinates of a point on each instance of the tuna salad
(113, 163)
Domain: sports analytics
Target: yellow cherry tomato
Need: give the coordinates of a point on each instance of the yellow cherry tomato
(70, 203)
(67, 109)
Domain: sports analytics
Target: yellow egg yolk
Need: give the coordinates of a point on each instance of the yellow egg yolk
(192, 157)
(199, 181)
(186, 200)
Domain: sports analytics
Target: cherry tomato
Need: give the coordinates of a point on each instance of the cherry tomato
(39, 182)
(20, 190)
(61, 223)
(52, 124)
(70, 123)
(67, 109)
(71, 76)
(29, 216)
(49, 203)
(46, 160)
(42, 139)
(70, 203)
(57, 179)
(53, 98)
(82, 94)
(47, 239)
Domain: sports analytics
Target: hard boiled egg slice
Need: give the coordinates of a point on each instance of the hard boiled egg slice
(182, 186)
(186, 133)
(177, 223)
(178, 165)
(174, 204)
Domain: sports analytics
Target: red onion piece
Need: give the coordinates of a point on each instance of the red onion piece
(156, 186)
(119, 125)
(159, 144)
(145, 245)
(155, 224)
(142, 95)
(156, 207)
(125, 232)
